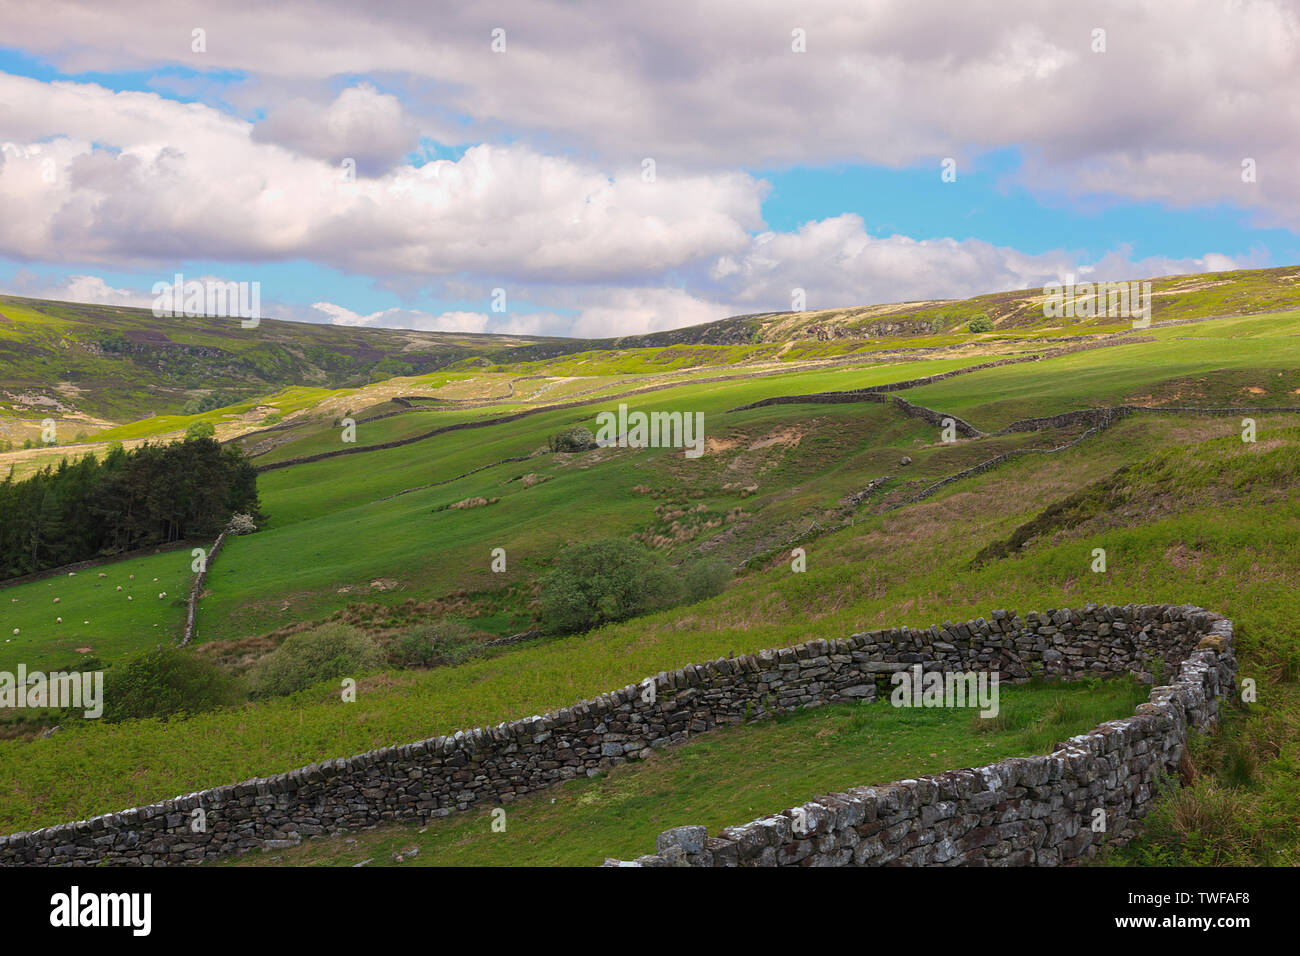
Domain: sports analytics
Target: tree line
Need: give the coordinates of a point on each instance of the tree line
(150, 495)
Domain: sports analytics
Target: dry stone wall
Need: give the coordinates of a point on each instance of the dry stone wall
(1043, 810)
(490, 766)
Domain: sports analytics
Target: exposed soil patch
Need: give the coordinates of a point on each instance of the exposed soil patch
(786, 437)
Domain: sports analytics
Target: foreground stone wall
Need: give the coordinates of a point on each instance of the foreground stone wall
(489, 766)
(1025, 811)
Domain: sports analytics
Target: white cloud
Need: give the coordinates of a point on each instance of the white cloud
(138, 179)
(361, 124)
(405, 319)
(837, 263)
(1183, 92)
(90, 289)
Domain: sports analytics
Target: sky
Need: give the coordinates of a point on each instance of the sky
(602, 169)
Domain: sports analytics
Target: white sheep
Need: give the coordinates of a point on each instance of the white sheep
(58, 620)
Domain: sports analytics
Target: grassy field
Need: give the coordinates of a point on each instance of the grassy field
(897, 568)
(734, 774)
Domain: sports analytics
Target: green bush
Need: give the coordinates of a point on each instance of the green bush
(323, 653)
(446, 642)
(981, 323)
(573, 440)
(604, 581)
(705, 578)
(165, 682)
(200, 430)
(208, 402)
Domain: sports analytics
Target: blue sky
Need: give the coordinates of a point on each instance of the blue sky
(129, 156)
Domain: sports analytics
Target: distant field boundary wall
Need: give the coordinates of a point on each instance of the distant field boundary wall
(196, 589)
(92, 563)
(863, 394)
(850, 396)
(1098, 420)
(504, 419)
(1034, 803)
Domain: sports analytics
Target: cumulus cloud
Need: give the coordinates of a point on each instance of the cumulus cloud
(361, 124)
(836, 262)
(404, 319)
(635, 311)
(1182, 93)
(93, 175)
(89, 289)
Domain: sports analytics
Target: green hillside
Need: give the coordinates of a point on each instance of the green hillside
(395, 531)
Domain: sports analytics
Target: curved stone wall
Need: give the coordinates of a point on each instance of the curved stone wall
(1024, 811)
(489, 766)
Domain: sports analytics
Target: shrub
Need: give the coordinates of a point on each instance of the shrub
(981, 323)
(165, 682)
(309, 657)
(604, 581)
(200, 430)
(241, 524)
(573, 440)
(705, 578)
(446, 642)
